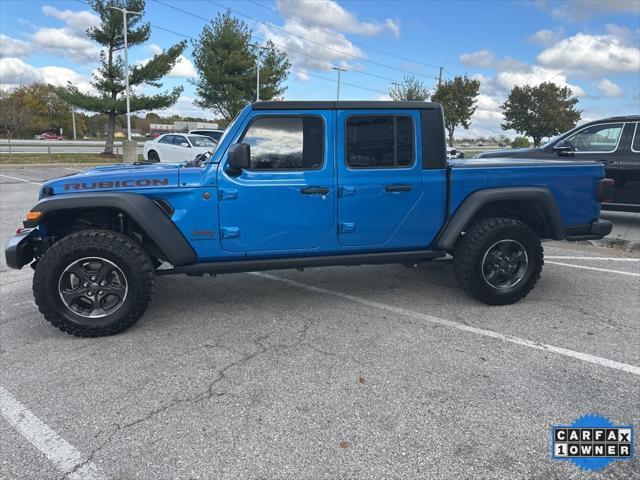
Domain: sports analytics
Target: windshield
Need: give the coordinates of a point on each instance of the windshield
(201, 141)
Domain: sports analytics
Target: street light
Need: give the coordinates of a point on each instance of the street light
(260, 49)
(126, 63)
(339, 69)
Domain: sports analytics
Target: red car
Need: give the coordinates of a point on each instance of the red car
(49, 136)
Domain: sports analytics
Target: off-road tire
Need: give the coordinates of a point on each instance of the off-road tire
(119, 249)
(153, 156)
(470, 251)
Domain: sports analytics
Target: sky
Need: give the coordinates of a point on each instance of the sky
(592, 46)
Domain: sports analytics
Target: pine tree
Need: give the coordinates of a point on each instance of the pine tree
(109, 81)
(226, 63)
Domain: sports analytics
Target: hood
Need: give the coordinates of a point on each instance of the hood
(511, 152)
(116, 177)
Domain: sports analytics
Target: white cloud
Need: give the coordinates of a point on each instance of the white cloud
(12, 47)
(302, 76)
(535, 76)
(323, 51)
(546, 37)
(583, 9)
(78, 21)
(329, 14)
(479, 59)
(591, 55)
(183, 69)
(71, 40)
(185, 107)
(14, 72)
(64, 42)
(609, 89)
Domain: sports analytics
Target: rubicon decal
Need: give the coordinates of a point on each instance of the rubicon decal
(143, 182)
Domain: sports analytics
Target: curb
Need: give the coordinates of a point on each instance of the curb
(64, 164)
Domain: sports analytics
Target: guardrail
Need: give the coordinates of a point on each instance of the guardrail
(52, 147)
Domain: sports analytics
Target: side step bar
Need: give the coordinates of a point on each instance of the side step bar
(252, 265)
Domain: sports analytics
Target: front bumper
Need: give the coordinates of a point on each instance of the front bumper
(592, 231)
(18, 250)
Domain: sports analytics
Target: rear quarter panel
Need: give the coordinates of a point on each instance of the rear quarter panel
(572, 185)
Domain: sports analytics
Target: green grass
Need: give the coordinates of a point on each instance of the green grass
(43, 158)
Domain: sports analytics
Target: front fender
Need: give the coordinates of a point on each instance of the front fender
(153, 221)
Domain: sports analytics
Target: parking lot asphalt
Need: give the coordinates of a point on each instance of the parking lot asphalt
(342, 372)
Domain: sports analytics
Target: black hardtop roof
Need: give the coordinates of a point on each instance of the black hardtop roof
(619, 118)
(342, 105)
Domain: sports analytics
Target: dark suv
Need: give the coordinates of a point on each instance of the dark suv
(613, 141)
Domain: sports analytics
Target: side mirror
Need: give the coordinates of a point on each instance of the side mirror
(453, 152)
(184, 144)
(563, 148)
(239, 157)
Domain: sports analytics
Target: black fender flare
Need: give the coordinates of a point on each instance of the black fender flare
(539, 196)
(145, 212)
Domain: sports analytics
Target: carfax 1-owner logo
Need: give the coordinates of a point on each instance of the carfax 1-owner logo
(592, 442)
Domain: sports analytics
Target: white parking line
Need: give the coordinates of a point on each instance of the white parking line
(60, 452)
(605, 362)
(608, 259)
(19, 179)
(619, 272)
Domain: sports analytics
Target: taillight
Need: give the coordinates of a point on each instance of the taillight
(605, 190)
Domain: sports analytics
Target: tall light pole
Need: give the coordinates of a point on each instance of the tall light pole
(126, 12)
(73, 121)
(339, 69)
(260, 49)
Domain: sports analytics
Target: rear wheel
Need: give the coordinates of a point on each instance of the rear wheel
(153, 156)
(93, 283)
(498, 260)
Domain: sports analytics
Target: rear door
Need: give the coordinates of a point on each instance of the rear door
(285, 202)
(627, 187)
(379, 175)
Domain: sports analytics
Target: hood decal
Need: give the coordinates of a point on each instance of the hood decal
(128, 183)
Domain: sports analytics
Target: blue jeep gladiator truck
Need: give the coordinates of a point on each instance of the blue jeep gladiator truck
(294, 185)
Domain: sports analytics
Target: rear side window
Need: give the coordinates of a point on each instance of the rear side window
(285, 143)
(383, 141)
(635, 146)
(167, 139)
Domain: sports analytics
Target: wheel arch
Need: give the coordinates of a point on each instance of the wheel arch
(149, 218)
(536, 206)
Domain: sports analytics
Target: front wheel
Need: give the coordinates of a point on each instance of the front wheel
(498, 260)
(93, 283)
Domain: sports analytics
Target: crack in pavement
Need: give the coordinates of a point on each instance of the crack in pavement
(207, 394)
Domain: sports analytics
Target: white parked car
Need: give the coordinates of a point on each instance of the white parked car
(177, 147)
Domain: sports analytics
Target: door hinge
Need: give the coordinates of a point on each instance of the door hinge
(346, 191)
(230, 232)
(347, 227)
(228, 194)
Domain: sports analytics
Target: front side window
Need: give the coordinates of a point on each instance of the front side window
(596, 138)
(635, 146)
(285, 143)
(379, 141)
(179, 140)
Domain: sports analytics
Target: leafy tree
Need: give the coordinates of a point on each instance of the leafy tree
(457, 97)
(542, 111)
(520, 142)
(226, 64)
(109, 81)
(35, 108)
(410, 89)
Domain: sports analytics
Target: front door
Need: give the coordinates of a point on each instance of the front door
(285, 201)
(379, 176)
